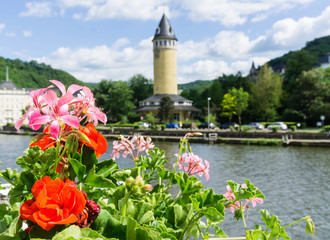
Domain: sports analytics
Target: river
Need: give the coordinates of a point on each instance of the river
(295, 180)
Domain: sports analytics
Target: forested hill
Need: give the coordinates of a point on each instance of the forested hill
(316, 48)
(32, 74)
(198, 83)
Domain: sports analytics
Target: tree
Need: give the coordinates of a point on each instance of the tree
(297, 63)
(266, 93)
(242, 102)
(215, 92)
(166, 108)
(311, 96)
(115, 98)
(142, 88)
(228, 106)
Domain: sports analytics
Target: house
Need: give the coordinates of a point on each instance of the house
(12, 101)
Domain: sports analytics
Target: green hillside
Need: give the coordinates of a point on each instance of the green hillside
(316, 48)
(198, 83)
(32, 74)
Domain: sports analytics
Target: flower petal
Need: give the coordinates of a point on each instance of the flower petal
(71, 121)
(55, 129)
(59, 85)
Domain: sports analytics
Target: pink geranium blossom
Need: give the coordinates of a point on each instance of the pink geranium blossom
(192, 164)
(131, 148)
(58, 114)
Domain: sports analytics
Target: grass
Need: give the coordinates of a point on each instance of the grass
(262, 142)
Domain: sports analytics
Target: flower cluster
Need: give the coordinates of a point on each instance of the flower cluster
(237, 204)
(137, 186)
(192, 164)
(55, 202)
(76, 105)
(131, 148)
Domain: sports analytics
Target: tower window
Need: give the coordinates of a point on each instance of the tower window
(160, 42)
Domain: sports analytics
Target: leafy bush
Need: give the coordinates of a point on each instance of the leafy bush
(293, 128)
(327, 128)
(275, 129)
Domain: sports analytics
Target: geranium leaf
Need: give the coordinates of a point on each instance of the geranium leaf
(78, 168)
(94, 180)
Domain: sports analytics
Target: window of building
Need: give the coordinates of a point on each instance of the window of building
(176, 116)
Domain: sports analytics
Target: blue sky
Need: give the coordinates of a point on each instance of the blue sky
(111, 39)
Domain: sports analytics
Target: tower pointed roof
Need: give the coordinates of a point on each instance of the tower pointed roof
(164, 30)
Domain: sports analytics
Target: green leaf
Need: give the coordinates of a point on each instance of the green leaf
(188, 184)
(178, 215)
(94, 180)
(28, 179)
(75, 233)
(255, 235)
(78, 168)
(38, 232)
(109, 226)
(12, 233)
(107, 167)
(89, 158)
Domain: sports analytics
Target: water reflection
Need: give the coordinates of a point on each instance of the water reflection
(294, 180)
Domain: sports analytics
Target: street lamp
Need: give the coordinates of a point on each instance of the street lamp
(208, 113)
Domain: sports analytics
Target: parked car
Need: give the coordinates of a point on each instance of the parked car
(228, 125)
(281, 125)
(144, 124)
(172, 125)
(204, 125)
(256, 125)
(186, 125)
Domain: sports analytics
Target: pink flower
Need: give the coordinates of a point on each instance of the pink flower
(56, 114)
(131, 148)
(229, 195)
(254, 201)
(75, 105)
(192, 164)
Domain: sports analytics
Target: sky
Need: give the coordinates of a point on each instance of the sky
(112, 39)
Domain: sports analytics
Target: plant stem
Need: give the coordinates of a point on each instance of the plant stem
(57, 159)
(123, 210)
(295, 222)
(243, 218)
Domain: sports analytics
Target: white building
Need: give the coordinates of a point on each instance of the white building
(12, 101)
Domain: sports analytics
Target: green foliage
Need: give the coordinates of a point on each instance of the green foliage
(228, 106)
(142, 88)
(165, 109)
(115, 98)
(242, 102)
(33, 75)
(311, 95)
(266, 93)
(326, 128)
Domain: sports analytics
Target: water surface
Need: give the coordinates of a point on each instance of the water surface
(294, 180)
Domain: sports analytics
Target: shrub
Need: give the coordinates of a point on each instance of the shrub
(326, 128)
(275, 129)
(293, 128)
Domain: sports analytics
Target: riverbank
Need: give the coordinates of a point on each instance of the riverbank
(216, 136)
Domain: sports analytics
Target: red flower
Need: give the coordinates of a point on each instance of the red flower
(97, 140)
(55, 202)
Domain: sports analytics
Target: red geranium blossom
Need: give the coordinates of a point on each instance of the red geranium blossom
(97, 140)
(55, 202)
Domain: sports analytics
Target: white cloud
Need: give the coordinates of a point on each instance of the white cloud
(236, 12)
(128, 9)
(2, 26)
(10, 34)
(102, 62)
(38, 9)
(290, 33)
(27, 33)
